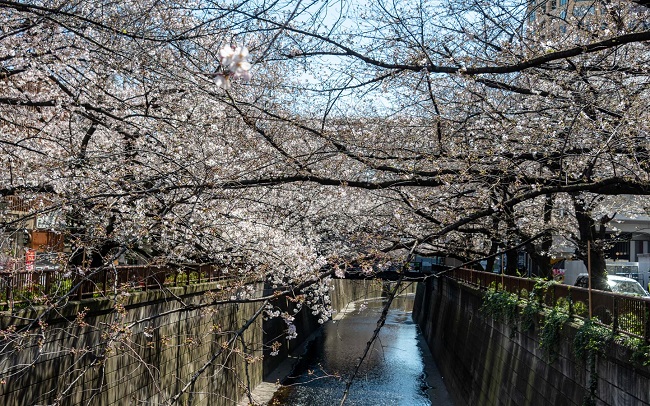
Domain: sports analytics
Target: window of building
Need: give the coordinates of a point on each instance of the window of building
(620, 247)
(579, 11)
(621, 250)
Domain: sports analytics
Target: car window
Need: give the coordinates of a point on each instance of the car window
(627, 287)
(582, 282)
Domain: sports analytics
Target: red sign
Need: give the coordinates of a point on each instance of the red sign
(30, 258)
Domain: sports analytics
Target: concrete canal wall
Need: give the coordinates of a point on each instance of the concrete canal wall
(66, 361)
(484, 363)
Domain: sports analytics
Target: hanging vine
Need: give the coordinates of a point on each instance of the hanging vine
(501, 306)
(550, 333)
(590, 342)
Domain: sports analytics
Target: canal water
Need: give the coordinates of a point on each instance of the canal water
(398, 370)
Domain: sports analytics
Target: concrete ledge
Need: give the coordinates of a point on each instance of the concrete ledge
(102, 305)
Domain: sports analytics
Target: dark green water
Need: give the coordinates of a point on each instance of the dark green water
(392, 374)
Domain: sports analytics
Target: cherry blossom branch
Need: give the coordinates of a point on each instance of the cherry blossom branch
(534, 62)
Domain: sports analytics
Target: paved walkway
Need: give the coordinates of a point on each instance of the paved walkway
(263, 393)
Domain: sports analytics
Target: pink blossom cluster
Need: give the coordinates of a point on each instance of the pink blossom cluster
(235, 65)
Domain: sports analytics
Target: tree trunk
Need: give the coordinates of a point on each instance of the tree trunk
(543, 261)
(593, 238)
(512, 257)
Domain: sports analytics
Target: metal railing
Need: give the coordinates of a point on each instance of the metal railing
(20, 287)
(623, 313)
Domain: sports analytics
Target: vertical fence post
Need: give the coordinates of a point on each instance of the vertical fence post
(10, 292)
(7, 289)
(502, 273)
(615, 309)
(105, 281)
(591, 314)
(647, 321)
(48, 281)
(77, 282)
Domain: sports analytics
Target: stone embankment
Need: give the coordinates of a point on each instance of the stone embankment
(141, 349)
(485, 362)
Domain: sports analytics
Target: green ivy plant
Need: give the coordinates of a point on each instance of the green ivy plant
(528, 313)
(550, 333)
(589, 342)
(502, 306)
(640, 349)
(533, 306)
(591, 338)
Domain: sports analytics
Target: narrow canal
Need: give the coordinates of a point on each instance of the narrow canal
(398, 371)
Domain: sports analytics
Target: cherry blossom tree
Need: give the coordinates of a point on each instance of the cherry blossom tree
(131, 122)
(287, 141)
(475, 120)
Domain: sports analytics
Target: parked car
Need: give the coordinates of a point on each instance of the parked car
(617, 284)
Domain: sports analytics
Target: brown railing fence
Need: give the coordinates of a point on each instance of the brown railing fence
(20, 287)
(623, 313)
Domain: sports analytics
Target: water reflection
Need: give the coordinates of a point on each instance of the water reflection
(392, 374)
